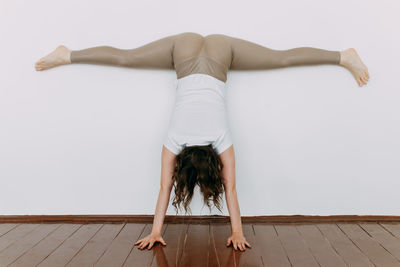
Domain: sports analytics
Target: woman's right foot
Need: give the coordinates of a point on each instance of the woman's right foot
(60, 56)
(349, 58)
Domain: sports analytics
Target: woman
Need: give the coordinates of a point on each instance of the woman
(198, 147)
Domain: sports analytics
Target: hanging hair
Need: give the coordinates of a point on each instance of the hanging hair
(202, 166)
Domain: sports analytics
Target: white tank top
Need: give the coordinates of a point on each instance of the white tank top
(199, 115)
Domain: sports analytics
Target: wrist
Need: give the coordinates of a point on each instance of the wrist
(237, 232)
(155, 232)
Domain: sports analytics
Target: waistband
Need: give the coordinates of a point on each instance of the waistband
(198, 80)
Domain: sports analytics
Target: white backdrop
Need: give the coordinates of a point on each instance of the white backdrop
(87, 139)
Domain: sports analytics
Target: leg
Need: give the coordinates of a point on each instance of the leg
(157, 54)
(251, 56)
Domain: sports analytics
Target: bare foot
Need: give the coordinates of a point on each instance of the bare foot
(350, 59)
(60, 56)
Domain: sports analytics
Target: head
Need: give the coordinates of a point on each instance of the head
(202, 166)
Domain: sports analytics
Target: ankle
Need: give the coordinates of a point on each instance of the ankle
(343, 58)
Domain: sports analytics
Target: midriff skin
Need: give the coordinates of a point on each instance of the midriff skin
(188, 53)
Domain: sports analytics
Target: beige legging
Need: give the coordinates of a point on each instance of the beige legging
(214, 55)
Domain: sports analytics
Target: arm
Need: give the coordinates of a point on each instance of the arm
(247, 55)
(167, 167)
(229, 182)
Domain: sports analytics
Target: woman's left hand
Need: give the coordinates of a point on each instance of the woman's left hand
(238, 241)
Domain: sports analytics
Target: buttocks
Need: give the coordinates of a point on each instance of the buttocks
(209, 55)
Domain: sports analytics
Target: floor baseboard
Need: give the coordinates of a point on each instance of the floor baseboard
(194, 218)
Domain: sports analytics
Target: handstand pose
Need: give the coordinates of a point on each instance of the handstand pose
(197, 148)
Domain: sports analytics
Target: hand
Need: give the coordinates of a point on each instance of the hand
(238, 241)
(150, 239)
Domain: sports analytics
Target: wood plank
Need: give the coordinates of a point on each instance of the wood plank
(18, 248)
(251, 256)
(39, 252)
(64, 253)
(195, 251)
(388, 241)
(96, 246)
(121, 246)
(394, 229)
(320, 246)
(220, 254)
(271, 249)
(375, 252)
(16, 233)
(171, 254)
(295, 247)
(350, 253)
(142, 257)
(6, 227)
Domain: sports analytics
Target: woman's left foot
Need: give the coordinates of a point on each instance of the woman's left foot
(349, 58)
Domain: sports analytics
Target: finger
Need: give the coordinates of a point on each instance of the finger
(248, 244)
(150, 245)
(144, 244)
(241, 247)
(235, 245)
(229, 241)
(138, 241)
(163, 242)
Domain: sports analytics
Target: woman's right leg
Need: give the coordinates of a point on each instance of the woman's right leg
(155, 54)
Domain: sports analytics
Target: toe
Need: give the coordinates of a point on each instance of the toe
(364, 80)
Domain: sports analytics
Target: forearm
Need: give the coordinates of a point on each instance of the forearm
(161, 208)
(234, 210)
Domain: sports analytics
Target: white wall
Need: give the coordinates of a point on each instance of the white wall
(87, 139)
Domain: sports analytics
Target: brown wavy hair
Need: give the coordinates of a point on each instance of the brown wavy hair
(202, 166)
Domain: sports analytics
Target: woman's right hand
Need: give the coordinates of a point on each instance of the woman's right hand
(150, 239)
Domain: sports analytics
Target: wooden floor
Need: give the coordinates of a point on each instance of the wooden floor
(321, 244)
